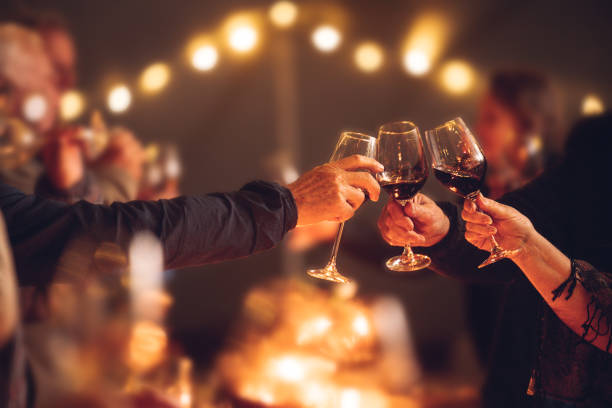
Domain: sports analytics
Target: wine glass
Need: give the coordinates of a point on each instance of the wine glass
(350, 143)
(400, 150)
(459, 164)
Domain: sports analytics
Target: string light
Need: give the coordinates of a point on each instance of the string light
(369, 57)
(155, 78)
(72, 104)
(243, 38)
(457, 77)
(326, 38)
(205, 58)
(119, 98)
(416, 62)
(34, 108)
(592, 105)
(283, 14)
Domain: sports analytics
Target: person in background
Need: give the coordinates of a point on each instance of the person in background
(553, 339)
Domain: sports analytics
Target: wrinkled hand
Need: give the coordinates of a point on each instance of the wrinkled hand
(511, 228)
(125, 151)
(420, 223)
(63, 158)
(333, 191)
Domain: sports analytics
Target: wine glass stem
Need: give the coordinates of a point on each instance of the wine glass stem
(334, 253)
(407, 255)
(473, 198)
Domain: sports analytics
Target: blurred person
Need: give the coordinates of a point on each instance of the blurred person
(554, 331)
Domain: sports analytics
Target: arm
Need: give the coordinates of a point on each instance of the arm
(587, 307)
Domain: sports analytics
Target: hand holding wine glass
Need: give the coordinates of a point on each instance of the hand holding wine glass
(460, 165)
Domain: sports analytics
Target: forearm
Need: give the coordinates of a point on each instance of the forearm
(547, 268)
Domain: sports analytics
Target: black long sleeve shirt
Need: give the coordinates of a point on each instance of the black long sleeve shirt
(193, 230)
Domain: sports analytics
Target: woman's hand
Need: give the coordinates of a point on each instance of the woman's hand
(511, 228)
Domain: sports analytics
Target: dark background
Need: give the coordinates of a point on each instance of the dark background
(225, 125)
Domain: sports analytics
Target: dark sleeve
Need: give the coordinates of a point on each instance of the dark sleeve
(457, 258)
(193, 230)
(85, 189)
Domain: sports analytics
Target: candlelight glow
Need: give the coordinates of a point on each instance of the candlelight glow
(71, 105)
(205, 58)
(34, 108)
(243, 37)
(283, 13)
(326, 38)
(592, 105)
(457, 77)
(369, 57)
(119, 98)
(155, 77)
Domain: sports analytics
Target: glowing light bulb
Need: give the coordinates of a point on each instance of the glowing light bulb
(283, 13)
(361, 325)
(592, 105)
(34, 108)
(417, 62)
(326, 38)
(369, 57)
(72, 104)
(457, 77)
(119, 98)
(243, 38)
(155, 77)
(205, 58)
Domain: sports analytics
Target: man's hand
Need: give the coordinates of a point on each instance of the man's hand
(125, 151)
(511, 228)
(332, 191)
(63, 158)
(420, 223)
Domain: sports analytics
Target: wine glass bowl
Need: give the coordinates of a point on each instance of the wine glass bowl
(460, 165)
(349, 144)
(400, 151)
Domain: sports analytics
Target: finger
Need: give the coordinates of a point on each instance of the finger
(397, 216)
(365, 181)
(483, 230)
(398, 237)
(477, 240)
(358, 161)
(476, 217)
(419, 213)
(345, 212)
(492, 207)
(470, 206)
(354, 196)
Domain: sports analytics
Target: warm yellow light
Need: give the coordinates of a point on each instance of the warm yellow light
(369, 57)
(205, 58)
(119, 98)
(155, 77)
(147, 344)
(361, 325)
(416, 62)
(243, 38)
(34, 107)
(313, 329)
(326, 38)
(283, 13)
(289, 369)
(72, 104)
(592, 105)
(457, 77)
(350, 398)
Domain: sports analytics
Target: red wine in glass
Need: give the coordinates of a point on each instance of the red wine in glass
(403, 190)
(465, 182)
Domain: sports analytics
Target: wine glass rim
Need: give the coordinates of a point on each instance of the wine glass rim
(457, 119)
(357, 135)
(382, 129)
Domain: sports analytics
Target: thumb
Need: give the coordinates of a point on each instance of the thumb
(415, 211)
(492, 207)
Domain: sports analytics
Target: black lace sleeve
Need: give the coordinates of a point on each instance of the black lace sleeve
(599, 310)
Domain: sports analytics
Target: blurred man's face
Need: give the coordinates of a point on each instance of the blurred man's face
(496, 129)
(61, 51)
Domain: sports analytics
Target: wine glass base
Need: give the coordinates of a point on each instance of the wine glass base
(399, 263)
(329, 273)
(497, 255)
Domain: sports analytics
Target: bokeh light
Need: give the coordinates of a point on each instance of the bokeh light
(457, 77)
(243, 37)
(369, 57)
(155, 77)
(119, 98)
(592, 105)
(72, 104)
(34, 107)
(417, 62)
(283, 14)
(350, 398)
(205, 58)
(326, 38)
(361, 325)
